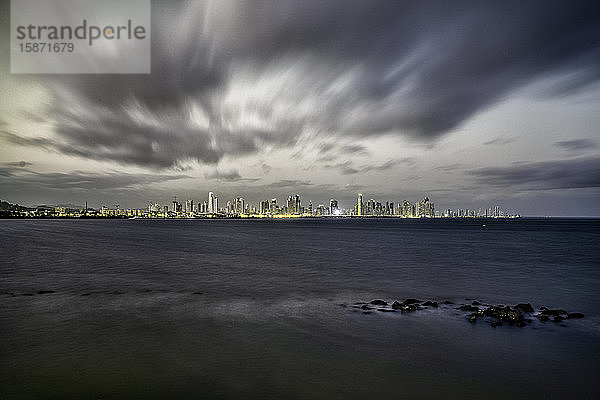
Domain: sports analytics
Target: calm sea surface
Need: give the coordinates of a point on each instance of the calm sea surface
(228, 309)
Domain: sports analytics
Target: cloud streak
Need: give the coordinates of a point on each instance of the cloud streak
(346, 167)
(558, 174)
(577, 144)
(18, 178)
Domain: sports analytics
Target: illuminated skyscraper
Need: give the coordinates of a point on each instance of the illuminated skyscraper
(389, 208)
(239, 205)
(359, 205)
(425, 208)
(189, 206)
(211, 203)
(407, 209)
(264, 207)
(333, 207)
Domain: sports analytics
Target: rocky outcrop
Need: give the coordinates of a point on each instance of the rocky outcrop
(524, 307)
(496, 315)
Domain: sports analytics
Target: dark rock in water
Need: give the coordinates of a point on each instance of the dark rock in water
(404, 307)
(411, 301)
(342, 305)
(505, 314)
(468, 307)
(476, 303)
(26, 294)
(558, 318)
(543, 318)
(46, 291)
(409, 307)
(367, 312)
(524, 307)
(378, 302)
(430, 303)
(575, 315)
(366, 307)
(86, 294)
(360, 302)
(552, 313)
(473, 317)
(197, 293)
(494, 324)
(447, 302)
(385, 310)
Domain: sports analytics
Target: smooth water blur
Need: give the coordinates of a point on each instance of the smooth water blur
(251, 309)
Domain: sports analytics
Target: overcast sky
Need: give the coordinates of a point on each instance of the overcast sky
(472, 103)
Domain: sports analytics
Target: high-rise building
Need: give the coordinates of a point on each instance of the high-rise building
(154, 208)
(333, 207)
(264, 207)
(425, 208)
(239, 206)
(407, 209)
(189, 206)
(370, 207)
(293, 204)
(203, 207)
(359, 205)
(211, 203)
(389, 208)
(176, 205)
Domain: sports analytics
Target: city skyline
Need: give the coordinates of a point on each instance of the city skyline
(291, 207)
(473, 103)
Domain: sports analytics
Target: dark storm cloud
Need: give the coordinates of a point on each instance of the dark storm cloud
(346, 167)
(21, 164)
(229, 78)
(499, 141)
(354, 149)
(450, 167)
(577, 144)
(560, 174)
(332, 151)
(14, 138)
(19, 179)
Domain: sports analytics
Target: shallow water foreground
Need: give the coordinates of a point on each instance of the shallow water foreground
(251, 309)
